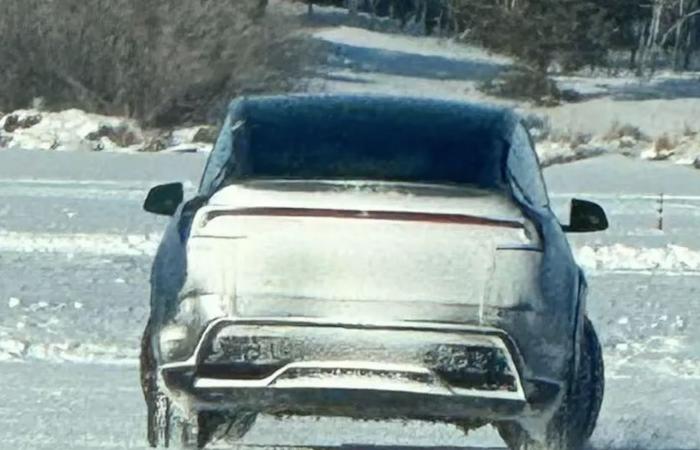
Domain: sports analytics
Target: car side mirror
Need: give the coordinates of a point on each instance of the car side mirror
(586, 217)
(164, 199)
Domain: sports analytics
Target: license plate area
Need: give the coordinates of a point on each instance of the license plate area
(463, 361)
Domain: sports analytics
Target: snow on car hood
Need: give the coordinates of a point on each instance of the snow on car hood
(336, 266)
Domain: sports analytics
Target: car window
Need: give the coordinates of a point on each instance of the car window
(218, 157)
(383, 140)
(524, 168)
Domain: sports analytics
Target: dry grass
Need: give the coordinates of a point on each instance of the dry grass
(578, 139)
(663, 144)
(160, 61)
(618, 131)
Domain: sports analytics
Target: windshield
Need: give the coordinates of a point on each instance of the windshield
(407, 160)
(365, 138)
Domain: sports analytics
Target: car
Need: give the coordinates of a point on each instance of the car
(370, 257)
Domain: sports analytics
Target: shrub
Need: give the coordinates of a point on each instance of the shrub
(663, 143)
(524, 84)
(618, 131)
(160, 61)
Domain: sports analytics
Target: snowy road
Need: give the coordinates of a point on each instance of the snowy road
(74, 258)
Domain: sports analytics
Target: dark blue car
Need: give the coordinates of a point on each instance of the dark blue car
(373, 258)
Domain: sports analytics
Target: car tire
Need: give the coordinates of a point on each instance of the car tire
(229, 426)
(574, 422)
(167, 428)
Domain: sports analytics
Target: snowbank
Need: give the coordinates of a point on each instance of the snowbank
(74, 129)
(683, 150)
(671, 259)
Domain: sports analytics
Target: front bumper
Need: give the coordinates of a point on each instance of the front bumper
(314, 367)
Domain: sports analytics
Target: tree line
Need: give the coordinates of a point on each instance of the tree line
(572, 33)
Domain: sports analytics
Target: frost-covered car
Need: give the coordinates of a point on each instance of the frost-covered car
(373, 258)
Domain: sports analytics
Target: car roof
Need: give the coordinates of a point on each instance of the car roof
(375, 112)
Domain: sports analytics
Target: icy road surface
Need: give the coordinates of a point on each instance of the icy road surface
(75, 251)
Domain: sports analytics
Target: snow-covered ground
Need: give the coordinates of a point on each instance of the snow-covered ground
(76, 130)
